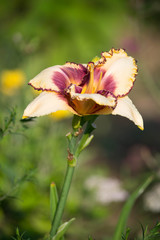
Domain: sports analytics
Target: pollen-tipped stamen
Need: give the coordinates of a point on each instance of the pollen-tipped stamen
(84, 89)
(89, 88)
(99, 82)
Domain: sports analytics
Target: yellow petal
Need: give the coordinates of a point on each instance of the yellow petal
(126, 108)
(46, 103)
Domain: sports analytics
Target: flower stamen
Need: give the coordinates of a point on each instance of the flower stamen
(99, 82)
(89, 88)
(84, 89)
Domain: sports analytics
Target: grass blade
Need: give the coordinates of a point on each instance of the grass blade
(128, 206)
(53, 200)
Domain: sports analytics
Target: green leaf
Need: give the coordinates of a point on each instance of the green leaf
(53, 200)
(62, 229)
(27, 119)
(125, 237)
(18, 235)
(95, 59)
(154, 233)
(90, 238)
(144, 231)
(128, 206)
(86, 142)
(76, 122)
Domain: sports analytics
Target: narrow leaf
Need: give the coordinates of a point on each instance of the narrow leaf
(86, 143)
(128, 206)
(62, 229)
(53, 200)
(154, 233)
(76, 123)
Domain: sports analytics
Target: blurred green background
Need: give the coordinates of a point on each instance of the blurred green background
(41, 33)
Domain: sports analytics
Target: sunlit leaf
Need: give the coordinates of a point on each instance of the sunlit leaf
(62, 229)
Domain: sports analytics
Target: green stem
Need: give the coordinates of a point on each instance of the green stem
(62, 201)
(73, 154)
(86, 135)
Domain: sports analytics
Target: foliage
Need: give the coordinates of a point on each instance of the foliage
(129, 205)
(8, 124)
(19, 236)
(153, 234)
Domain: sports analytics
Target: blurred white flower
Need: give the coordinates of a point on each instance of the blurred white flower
(106, 190)
(152, 199)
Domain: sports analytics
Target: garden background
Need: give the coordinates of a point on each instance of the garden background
(38, 34)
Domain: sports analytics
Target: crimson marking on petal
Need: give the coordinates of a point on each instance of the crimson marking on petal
(101, 61)
(90, 63)
(85, 79)
(43, 89)
(97, 73)
(78, 89)
(75, 74)
(106, 94)
(109, 83)
(62, 97)
(96, 108)
(123, 95)
(60, 80)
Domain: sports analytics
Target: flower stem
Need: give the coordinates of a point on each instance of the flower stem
(63, 198)
(73, 153)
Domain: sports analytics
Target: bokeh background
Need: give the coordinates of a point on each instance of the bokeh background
(41, 33)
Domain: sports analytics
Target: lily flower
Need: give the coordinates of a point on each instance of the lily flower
(96, 88)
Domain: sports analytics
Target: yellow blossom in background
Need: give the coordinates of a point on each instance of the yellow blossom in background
(11, 80)
(61, 114)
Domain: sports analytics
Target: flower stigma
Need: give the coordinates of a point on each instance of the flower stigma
(91, 80)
